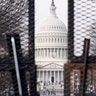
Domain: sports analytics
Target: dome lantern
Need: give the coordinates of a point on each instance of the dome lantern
(52, 9)
(52, 4)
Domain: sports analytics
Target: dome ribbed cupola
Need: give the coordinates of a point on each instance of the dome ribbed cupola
(52, 22)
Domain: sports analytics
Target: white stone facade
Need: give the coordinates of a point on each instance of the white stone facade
(51, 48)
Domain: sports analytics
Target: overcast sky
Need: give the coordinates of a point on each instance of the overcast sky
(42, 10)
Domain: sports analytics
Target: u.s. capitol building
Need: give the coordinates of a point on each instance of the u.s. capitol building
(51, 48)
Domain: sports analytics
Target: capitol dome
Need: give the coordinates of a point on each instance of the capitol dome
(51, 40)
(52, 22)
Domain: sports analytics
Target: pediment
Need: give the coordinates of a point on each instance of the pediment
(52, 66)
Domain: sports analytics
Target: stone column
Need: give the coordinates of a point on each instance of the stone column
(50, 76)
(64, 53)
(57, 53)
(53, 50)
(44, 52)
(50, 52)
(36, 52)
(41, 78)
(42, 75)
(54, 76)
(47, 52)
(61, 52)
(39, 75)
(46, 76)
(58, 75)
(39, 52)
(62, 75)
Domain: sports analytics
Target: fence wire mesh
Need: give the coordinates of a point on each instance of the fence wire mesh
(81, 25)
(17, 17)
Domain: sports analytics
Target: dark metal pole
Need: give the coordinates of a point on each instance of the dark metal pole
(21, 66)
(16, 66)
(33, 67)
(86, 51)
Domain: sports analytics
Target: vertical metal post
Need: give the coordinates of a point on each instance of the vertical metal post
(33, 67)
(86, 51)
(16, 66)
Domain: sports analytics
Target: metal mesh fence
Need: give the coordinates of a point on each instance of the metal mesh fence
(82, 23)
(17, 17)
(79, 79)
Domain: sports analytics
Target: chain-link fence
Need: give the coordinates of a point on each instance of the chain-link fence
(80, 71)
(82, 23)
(17, 19)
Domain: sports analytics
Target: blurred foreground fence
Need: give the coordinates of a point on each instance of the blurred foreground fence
(80, 71)
(17, 19)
